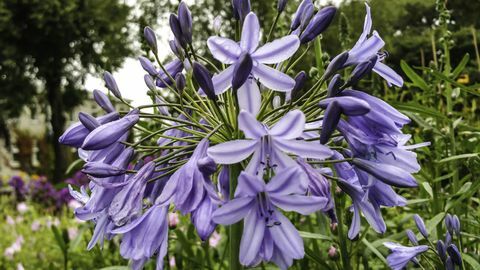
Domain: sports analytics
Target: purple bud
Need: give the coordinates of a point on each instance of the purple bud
(318, 24)
(149, 82)
(185, 19)
(163, 109)
(241, 8)
(411, 236)
(420, 225)
(448, 223)
(456, 225)
(101, 170)
(224, 182)
(111, 84)
(88, 121)
(337, 63)
(455, 254)
(177, 30)
(442, 250)
(103, 101)
(330, 121)
(151, 39)
(176, 48)
(299, 84)
(242, 70)
(448, 238)
(204, 80)
(334, 86)
(298, 14)
(109, 133)
(207, 166)
(306, 16)
(350, 106)
(281, 4)
(360, 71)
(217, 24)
(173, 68)
(202, 218)
(76, 133)
(389, 174)
(147, 65)
(120, 155)
(449, 264)
(180, 82)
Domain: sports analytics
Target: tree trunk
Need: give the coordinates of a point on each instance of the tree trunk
(57, 122)
(4, 133)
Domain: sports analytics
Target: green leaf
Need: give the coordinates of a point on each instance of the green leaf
(472, 261)
(310, 235)
(59, 239)
(432, 223)
(414, 201)
(461, 66)
(465, 188)
(312, 255)
(413, 76)
(428, 189)
(458, 157)
(471, 90)
(73, 165)
(374, 250)
(418, 108)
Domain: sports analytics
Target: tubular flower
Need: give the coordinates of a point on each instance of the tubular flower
(401, 255)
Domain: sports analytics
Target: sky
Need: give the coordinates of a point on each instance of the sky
(130, 76)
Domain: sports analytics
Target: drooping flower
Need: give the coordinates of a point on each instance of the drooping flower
(401, 255)
(268, 145)
(267, 234)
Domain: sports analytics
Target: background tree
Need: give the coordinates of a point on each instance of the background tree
(54, 44)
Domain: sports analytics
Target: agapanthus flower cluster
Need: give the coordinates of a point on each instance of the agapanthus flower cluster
(447, 253)
(245, 141)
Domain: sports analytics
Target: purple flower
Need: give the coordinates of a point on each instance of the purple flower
(411, 236)
(103, 101)
(268, 145)
(401, 255)
(111, 84)
(147, 65)
(145, 236)
(281, 5)
(267, 234)
(185, 20)
(299, 14)
(241, 8)
(318, 24)
(420, 225)
(231, 53)
(151, 38)
(173, 68)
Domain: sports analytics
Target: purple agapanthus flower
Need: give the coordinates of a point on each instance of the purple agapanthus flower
(367, 47)
(230, 52)
(268, 145)
(401, 255)
(267, 234)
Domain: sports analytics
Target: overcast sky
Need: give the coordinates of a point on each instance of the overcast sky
(130, 76)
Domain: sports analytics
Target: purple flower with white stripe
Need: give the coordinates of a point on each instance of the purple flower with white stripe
(402, 255)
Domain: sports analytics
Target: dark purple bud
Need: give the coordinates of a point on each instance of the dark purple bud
(420, 225)
(306, 16)
(297, 19)
(318, 24)
(202, 218)
(448, 238)
(224, 182)
(149, 82)
(180, 82)
(330, 121)
(101, 170)
(173, 68)
(88, 121)
(334, 86)
(185, 19)
(360, 71)
(242, 70)
(103, 101)
(151, 39)
(456, 225)
(389, 174)
(176, 48)
(111, 84)
(76, 133)
(120, 155)
(449, 264)
(109, 133)
(241, 8)
(177, 30)
(448, 223)
(147, 65)
(281, 4)
(207, 166)
(299, 84)
(350, 106)
(204, 80)
(411, 236)
(336, 64)
(442, 250)
(455, 254)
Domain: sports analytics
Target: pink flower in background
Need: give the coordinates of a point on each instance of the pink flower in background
(172, 262)
(35, 225)
(72, 233)
(74, 204)
(9, 253)
(214, 239)
(20, 266)
(22, 207)
(10, 221)
(173, 220)
(14, 248)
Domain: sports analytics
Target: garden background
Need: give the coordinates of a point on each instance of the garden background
(53, 52)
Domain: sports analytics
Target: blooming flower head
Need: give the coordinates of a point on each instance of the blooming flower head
(401, 255)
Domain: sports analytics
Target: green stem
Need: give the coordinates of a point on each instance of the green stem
(339, 204)
(273, 26)
(234, 230)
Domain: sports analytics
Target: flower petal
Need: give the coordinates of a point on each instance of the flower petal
(249, 185)
(250, 126)
(224, 50)
(287, 181)
(304, 149)
(249, 97)
(252, 237)
(273, 78)
(290, 126)
(286, 237)
(233, 211)
(367, 27)
(223, 80)
(388, 74)
(277, 50)
(368, 49)
(232, 152)
(304, 205)
(250, 33)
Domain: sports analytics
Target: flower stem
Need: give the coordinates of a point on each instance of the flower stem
(339, 205)
(234, 230)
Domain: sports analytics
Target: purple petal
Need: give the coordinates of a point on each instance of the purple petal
(368, 49)
(249, 185)
(356, 223)
(223, 80)
(350, 106)
(250, 126)
(224, 50)
(287, 181)
(304, 149)
(286, 237)
(232, 152)
(249, 97)
(273, 78)
(233, 211)
(388, 174)
(250, 33)
(252, 237)
(388, 74)
(278, 50)
(367, 27)
(290, 126)
(304, 205)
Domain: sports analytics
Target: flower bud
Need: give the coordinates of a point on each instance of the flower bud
(109, 133)
(177, 30)
(306, 16)
(448, 223)
(163, 109)
(318, 24)
(449, 264)
(223, 184)
(185, 20)
(334, 86)
(330, 121)
(176, 48)
(299, 84)
(147, 65)
(456, 225)
(207, 166)
(217, 24)
(332, 252)
(102, 170)
(242, 70)
(111, 84)
(448, 238)
(388, 174)
(420, 225)
(88, 121)
(337, 63)
(349, 105)
(297, 19)
(455, 254)
(442, 250)
(204, 80)
(151, 39)
(149, 82)
(360, 71)
(411, 236)
(180, 82)
(173, 220)
(240, 9)
(281, 4)
(103, 101)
